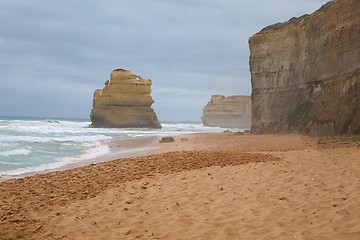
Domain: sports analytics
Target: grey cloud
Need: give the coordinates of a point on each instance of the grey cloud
(53, 54)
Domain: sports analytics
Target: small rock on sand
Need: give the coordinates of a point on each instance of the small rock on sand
(167, 140)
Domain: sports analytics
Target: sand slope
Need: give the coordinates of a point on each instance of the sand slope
(237, 187)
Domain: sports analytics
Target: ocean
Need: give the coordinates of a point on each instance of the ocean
(37, 144)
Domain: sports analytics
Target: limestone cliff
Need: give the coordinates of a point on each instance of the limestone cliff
(228, 112)
(124, 102)
(305, 73)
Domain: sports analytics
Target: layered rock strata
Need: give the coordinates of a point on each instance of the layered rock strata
(228, 112)
(305, 73)
(124, 102)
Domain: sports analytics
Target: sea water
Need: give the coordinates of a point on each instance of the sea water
(38, 144)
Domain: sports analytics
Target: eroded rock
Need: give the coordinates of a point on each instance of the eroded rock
(124, 102)
(305, 73)
(228, 112)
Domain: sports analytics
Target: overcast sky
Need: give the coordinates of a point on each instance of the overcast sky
(54, 54)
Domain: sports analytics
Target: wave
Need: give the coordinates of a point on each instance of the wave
(10, 163)
(39, 168)
(96, 150)
(43, 126)
(15, 152)
(41, 139)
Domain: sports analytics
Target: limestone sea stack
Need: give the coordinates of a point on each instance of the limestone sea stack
(228, 112)
(305, 73)
(124, 102)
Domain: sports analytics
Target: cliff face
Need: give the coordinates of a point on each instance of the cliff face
(305, 73)
(228, 112)
(124, 102)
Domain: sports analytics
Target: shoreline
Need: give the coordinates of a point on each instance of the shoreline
(94, 146)
(122, 148)
(119, 149)
(202, 186)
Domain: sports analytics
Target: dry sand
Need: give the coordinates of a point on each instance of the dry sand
(209, 186)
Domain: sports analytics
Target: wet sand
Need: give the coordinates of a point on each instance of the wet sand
(203, 186)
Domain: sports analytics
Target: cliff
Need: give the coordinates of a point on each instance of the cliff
(305, 73)
(124, 102)
(228, 112)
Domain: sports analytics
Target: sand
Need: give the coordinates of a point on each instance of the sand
(203, 186)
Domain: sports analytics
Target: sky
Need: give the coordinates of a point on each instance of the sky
(54, 54)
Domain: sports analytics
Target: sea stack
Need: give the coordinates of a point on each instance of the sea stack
(124, 102)
(305, 73)
(228, 112)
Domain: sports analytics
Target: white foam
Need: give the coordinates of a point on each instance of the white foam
(45, 139)
(39, 168)
(94, 151)
(97, 149)
(10, 163)
(174, 129)
(15, 152)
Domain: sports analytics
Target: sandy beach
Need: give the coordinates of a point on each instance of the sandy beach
(202, 186)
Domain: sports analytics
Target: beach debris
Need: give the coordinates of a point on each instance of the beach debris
(167, 140)
(129, 201)
(283, 198)
(184, 139)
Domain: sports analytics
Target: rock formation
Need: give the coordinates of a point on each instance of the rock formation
(305, 73)
(124, 102)
(228, 112)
